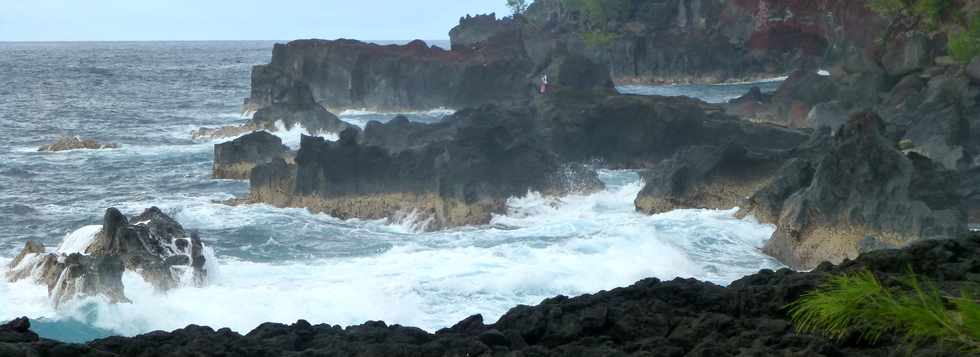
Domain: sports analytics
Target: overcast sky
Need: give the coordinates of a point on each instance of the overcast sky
(124, 20)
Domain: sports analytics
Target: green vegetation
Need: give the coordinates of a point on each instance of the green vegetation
(858, 305)
(517, 6)
(932, 15)
(597, 15)
(965, 45)
(930, 11)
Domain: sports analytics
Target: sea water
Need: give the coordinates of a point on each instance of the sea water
(281, 265)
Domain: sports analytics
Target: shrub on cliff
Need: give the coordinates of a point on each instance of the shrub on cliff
(517, 6)
(597, 15)
(965, 45)
(859, 305)
(942, 15)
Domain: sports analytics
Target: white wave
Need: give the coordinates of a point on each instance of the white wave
(293, 136)
(431, 112)
(79, 240)
(758, 81)
(542, 247)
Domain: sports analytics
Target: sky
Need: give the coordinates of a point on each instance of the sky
(173, 20)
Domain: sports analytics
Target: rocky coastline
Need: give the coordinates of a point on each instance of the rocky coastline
(866, 157)
(680, 317)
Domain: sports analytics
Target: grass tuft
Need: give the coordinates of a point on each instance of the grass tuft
(858, 305)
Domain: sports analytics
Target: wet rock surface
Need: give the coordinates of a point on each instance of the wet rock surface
(462, 170)
(236, 159)
(151, 244)
(76, 143)
(707, 177)
(861, 186)
(681, 317)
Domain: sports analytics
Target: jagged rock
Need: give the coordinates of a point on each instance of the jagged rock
(791, 105)
(293, 106)
(75, 143)
(704, 41)
(907, 52)
(147, 245)
(459, 181)
(681, 317)
(861, 186)
(476, 32)
(706, 177)
(462, 170)
(235, 159)
(827, 114)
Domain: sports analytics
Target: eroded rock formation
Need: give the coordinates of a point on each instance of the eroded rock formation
(151, 244)
(861, 194)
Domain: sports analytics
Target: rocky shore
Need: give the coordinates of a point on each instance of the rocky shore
(680, 317)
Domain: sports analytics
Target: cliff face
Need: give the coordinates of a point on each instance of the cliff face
(347, 74)
(704, 40)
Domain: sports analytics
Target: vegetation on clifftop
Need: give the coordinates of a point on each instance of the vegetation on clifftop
(859, 305)
(950, 16)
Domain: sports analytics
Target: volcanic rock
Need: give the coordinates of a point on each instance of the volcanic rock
(681, 317)
(235, 159)
(76, 143)
(862, 186)
(147, 245)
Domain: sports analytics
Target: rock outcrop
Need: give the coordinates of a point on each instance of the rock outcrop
(291, 107)
(91, 262)
(236, 159)
(862, 193)
(706, 177)
(76, 143)
(462, 170)
(682, 317)
(347, 74)
(702, 41)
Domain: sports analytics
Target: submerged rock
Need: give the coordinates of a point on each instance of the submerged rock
(681, 317)
(235, 159)
(151, 244)
(861, 186)
(75, 143)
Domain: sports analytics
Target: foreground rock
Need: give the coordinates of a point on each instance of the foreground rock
(682, 317)
(862, 194)
(235, 159)
(76, 143)
(90, 262)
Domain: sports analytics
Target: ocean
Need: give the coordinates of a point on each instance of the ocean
(281, 265)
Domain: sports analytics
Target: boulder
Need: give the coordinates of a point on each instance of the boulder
(706, 177)
(828, 114)
(235, 159)
(151, 244)
(861, 186)
(75, 143)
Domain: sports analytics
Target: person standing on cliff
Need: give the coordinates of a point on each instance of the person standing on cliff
(544, 83)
